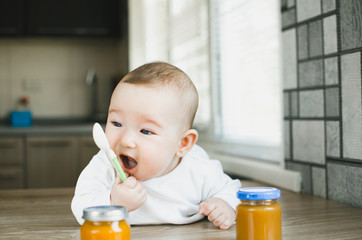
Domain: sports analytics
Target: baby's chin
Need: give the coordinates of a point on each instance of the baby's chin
(142, 179)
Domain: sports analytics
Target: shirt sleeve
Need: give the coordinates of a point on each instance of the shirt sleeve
(93, 186)
(222, 186)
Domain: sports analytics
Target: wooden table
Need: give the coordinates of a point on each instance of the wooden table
(46, 214)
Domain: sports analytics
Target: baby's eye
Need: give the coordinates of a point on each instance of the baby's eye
(117, 124)
(146, 132)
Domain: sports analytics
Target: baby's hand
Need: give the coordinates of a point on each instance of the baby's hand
(219, 212)
(130, 194)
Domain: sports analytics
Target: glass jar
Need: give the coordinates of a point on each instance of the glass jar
(258, 216)
(105, 222)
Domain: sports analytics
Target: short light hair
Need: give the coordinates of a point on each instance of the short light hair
(162, 74)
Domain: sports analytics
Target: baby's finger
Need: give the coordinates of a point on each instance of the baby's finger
(219, 220)
(144, 196)
(208, 208)
(117, 180)
(201, 207)
(225, 225)
(131, 182)
(214, 215)
(140, 189)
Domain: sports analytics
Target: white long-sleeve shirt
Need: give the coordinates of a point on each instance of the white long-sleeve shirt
(173, 198)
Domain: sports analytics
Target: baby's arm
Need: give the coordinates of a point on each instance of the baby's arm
(219, 212)
(130, 194)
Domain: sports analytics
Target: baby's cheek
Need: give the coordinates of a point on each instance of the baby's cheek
(155, 162)
(147, 171)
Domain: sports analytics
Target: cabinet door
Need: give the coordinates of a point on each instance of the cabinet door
(11, 177)
(11, 162)
(52, 161)
(87, 150)
(73, 17)
(11, 17)
(11, 149)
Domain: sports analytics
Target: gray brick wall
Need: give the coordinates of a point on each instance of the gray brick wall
(322, 52)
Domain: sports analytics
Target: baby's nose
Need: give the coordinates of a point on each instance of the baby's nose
(128, 140)
(131, 145)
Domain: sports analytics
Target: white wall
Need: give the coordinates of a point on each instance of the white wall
(51, 72)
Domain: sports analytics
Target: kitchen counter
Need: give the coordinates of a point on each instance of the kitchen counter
(46, 214)
(61, 129)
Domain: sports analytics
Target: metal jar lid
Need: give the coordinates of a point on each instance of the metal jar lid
(105, 213)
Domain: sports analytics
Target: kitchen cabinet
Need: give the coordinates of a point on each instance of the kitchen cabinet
(52, 161)
(11, 162)
(57, 161)
(87, 150)
(73, 18)
(63, 18)
(11, 17)
(44, 156)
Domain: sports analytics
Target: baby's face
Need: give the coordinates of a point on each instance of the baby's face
(144, 129)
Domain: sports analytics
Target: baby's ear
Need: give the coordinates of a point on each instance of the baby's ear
(188, 140)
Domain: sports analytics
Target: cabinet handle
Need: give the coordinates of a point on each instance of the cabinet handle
(8, 31)
(9, 176)
(73, 31)
(7, 145)
(51, 144)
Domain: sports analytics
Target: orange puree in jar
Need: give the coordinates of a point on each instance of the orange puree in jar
(259, 214)
(105, 222)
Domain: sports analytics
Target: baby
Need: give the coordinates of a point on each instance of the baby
(170, 178)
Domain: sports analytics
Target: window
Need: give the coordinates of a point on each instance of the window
(189, 48)
(177, 32)
(246, 68)
(231, 50)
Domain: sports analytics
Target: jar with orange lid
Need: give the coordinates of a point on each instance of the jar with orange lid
(258, 215)
(105, 222)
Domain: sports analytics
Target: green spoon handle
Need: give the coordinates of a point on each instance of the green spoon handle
(119, 169)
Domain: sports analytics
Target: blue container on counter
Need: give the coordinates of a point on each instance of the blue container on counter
(20, 118)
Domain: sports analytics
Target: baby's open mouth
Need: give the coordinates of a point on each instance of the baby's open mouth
(128, 162)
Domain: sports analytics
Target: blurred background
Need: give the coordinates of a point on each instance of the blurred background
(279, 84)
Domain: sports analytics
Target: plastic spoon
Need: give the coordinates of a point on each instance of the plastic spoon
(101, 141)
